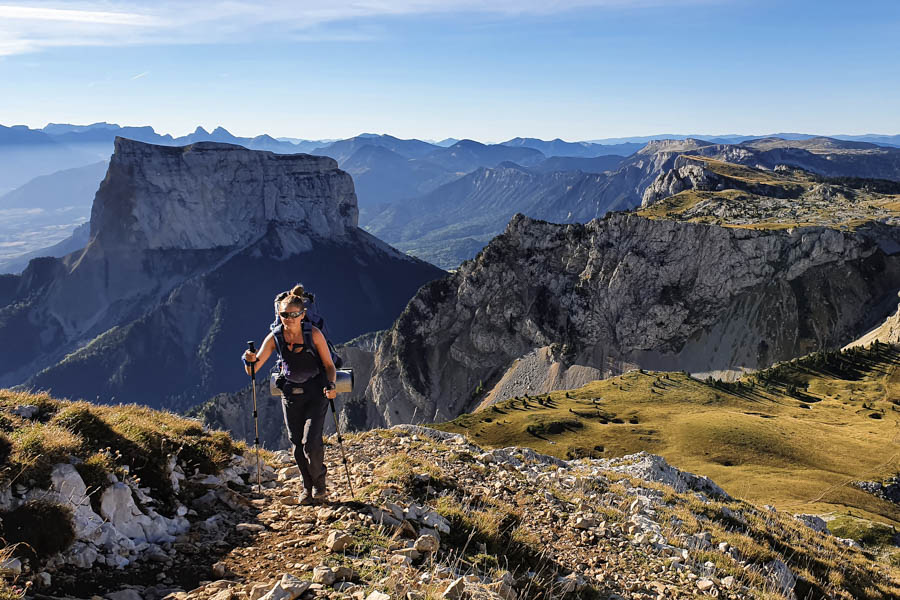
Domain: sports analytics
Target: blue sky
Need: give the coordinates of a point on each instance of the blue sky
(575, 69)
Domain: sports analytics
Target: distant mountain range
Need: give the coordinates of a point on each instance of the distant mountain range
(875, 138)
(447, 225)
(401, 185)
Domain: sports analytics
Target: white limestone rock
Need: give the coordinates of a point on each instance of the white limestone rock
(288, 588)
(118, 507)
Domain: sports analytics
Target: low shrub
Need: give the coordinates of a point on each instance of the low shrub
(41, 529)
(5, 448)
(554, 427)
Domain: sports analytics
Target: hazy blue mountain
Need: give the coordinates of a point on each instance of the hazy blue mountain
(27, 153)
(78, 240)
(598, 164)
(344, 149)
(63, 128)
(63, 189)
(559, 147)
(305, 146)
(446, 143)
(467, 155)
(45, 211)
(20, 135)
(881, 140)
(99, 137)
(447, 225)
(103, 133)
(381, 176)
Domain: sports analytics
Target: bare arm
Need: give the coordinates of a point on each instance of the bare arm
(325, 356)
(265, 350)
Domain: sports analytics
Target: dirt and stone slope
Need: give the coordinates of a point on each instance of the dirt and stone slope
(436, 517)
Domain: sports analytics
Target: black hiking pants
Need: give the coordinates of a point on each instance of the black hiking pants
(304, 416)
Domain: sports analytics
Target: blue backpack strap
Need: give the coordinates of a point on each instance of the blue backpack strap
(308, 345)
(278, 334)
(315, 319)
(306, 328)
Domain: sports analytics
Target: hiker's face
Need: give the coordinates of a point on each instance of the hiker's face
(291, 313)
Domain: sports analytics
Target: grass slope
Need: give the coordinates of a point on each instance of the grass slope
(793, 436)
(122, 439)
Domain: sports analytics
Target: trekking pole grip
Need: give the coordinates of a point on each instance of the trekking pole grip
(252, 347)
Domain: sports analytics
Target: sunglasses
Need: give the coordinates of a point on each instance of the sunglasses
(293, 314)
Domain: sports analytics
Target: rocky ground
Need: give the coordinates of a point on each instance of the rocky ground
(436, 517)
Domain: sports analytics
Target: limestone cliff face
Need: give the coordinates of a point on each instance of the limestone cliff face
(188, 248)
(154, 197)
(545, 306)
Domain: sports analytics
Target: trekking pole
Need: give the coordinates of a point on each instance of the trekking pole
(252, 348)
(337, 431)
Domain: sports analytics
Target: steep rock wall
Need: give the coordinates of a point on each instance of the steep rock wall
(154, 197)
(626, 292)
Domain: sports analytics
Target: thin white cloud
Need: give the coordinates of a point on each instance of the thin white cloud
(32, 26)
(139, 75)
(34, 13)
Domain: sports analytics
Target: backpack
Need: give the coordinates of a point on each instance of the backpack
(312, 319)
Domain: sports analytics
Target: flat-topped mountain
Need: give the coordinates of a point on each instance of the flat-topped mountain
(188, 247)
(154, 197)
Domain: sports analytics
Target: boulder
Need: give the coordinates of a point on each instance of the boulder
(289, 588)
(118, 507)
(426, 544)
(338, 541)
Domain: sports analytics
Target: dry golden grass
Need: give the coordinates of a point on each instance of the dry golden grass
(762, 445)
(126, 435)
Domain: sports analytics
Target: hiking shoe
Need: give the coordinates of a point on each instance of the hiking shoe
(307, 498)
(320, 496)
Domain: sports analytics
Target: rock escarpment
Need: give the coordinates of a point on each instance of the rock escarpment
(627, 292)
(188, 248)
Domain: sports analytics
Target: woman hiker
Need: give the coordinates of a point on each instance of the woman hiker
(306, 384)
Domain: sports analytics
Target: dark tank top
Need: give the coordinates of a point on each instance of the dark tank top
(301, 361)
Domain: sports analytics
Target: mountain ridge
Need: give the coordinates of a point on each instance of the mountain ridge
(619, 293)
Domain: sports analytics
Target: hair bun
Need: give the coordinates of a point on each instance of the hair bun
(297, 290)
